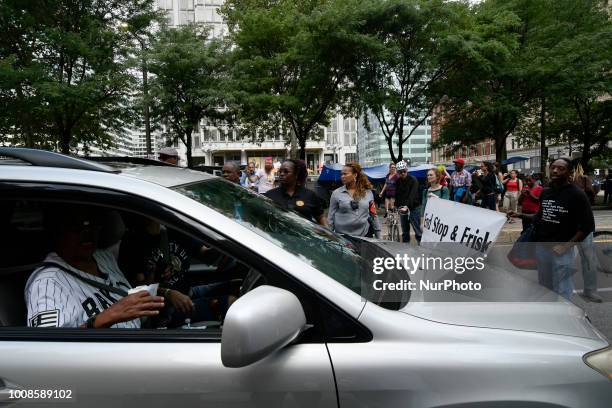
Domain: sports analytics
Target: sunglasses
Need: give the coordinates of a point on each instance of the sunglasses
(354, 204)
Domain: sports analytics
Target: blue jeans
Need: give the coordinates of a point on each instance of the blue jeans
(555, 271)
(589, 263)
(413, 219)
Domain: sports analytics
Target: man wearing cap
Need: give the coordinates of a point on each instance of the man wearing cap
(168, 155)
(461, 180)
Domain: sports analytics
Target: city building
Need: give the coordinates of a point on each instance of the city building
(215, 145)
(485, 151)
(374, 150)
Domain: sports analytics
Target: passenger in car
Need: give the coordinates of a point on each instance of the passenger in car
(150, 253)
(80, 285)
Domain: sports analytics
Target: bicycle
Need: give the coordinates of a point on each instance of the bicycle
(393, 226)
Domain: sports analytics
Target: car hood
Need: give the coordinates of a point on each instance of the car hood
(508, 300)
(560, 318)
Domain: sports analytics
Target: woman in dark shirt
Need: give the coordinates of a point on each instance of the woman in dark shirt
(293, 195)
(488, 182)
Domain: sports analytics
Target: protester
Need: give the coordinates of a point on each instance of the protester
(608, 189)
(530, 200)
(588, 259)
(488, 184)
(538, 180)
(435, 188)
(444, 176)
(352, 209)
(584, 183)
(265, 177)
(231, 172)
(499, 185)
(513, 188)
(564, 219)
(461, 180)
(388, 190)
(292, 193)
(169, 155)
(251, 176)
(407, 201)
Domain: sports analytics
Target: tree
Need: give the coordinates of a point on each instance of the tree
(65, 81)
(488, 99)
(189, 80)
(290, 63)
(574, 53)
(416, 44)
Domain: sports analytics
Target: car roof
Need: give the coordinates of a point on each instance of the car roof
(167, 176)
(152, 171)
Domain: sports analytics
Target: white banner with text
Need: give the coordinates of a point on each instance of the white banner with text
(472, 227)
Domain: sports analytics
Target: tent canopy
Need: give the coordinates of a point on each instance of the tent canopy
(514, 159)
(332, 172)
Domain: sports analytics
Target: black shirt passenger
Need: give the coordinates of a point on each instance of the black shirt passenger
(292, 194)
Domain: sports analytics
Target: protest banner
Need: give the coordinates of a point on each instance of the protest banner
(474, 228)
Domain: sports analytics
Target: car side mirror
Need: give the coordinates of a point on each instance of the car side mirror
(259, 323)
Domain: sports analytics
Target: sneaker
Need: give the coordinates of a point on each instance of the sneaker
(592, 297)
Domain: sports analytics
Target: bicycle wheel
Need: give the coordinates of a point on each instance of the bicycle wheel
(394, 233)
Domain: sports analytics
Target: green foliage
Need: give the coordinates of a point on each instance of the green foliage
(414, 46)
(64, 80)
(189, 80)
(556, 52)
(290, 63)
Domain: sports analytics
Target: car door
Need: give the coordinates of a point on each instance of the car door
(120, 367)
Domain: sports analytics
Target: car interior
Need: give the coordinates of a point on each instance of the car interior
(26, 242)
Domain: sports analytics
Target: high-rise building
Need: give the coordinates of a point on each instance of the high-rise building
(214, 145)
(374, 149)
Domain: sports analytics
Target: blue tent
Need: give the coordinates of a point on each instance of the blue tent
(331, 172)
(514, 159)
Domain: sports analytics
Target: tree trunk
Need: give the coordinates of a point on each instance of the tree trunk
(147, 110)
(302, 143)
(500, 148)
(188, 143)
(394, 158)
(543, 148)
(65, 142)
(293, 146)
(586, 155)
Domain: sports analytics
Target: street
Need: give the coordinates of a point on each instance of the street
(600, 314)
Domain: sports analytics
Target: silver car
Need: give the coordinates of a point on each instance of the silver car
(299, 335)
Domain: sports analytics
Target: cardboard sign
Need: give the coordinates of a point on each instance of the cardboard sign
(471, 227)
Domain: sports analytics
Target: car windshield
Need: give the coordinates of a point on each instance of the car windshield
(328, 252)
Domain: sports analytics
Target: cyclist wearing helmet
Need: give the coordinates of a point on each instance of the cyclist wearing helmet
(407, 201)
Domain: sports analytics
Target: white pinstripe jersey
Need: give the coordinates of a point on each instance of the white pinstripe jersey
(54, 298)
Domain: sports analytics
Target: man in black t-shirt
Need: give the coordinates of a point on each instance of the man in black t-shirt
(565, 219)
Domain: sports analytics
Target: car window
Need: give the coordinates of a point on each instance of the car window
(39, 289)
(328, 252)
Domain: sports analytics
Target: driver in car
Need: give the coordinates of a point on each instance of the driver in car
(80, 285)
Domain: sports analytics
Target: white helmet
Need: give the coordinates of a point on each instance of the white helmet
(401, 165)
